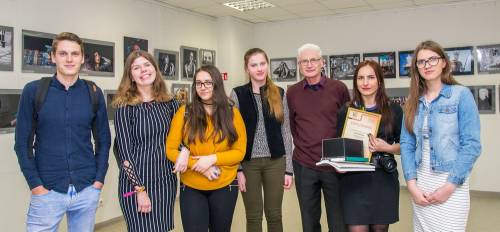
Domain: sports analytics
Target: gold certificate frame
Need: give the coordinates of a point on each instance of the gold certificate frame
(358, 124)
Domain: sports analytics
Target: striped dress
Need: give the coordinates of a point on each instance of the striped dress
(140, 139)
(449, 216)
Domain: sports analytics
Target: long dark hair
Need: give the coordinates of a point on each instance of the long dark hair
(196, 122)
(272, 94)
(418, 86)
(381, 98)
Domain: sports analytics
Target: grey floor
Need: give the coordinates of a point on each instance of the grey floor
(484, 215)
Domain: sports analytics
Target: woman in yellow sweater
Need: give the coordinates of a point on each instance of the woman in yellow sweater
(214, 132)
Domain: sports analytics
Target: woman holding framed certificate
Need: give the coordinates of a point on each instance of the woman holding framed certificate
(371, 199)
(439, 142)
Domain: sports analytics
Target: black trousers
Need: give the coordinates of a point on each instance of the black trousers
(204, 210)
(309, 184)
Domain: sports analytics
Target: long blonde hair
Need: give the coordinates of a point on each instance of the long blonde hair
(272, 93)
(127, 90)
(417, 83)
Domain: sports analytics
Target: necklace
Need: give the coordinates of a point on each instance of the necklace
(147, 99)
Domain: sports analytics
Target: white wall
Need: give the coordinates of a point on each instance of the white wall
(110, 20)
(235, 38)
(466, 24)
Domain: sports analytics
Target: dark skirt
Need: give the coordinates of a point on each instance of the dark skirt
(370, 197)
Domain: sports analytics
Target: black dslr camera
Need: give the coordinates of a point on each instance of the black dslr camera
(385, 161)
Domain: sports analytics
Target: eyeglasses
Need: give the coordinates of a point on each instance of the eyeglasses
(207, 84)
(313, 61)
(432, 61)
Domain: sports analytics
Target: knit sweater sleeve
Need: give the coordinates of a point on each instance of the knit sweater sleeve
(287, 137)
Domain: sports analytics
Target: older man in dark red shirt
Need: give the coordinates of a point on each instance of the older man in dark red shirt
(313, 104)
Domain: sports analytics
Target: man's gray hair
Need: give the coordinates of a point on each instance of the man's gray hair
(309, 46)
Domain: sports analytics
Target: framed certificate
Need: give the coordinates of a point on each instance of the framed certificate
(358, 124)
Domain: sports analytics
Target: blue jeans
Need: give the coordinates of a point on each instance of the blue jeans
(47, 210)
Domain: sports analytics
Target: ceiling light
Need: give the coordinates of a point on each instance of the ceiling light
(246, 5)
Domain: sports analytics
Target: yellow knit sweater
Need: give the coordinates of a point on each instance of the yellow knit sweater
(228, 157)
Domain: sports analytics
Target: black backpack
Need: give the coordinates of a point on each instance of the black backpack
(41, 94)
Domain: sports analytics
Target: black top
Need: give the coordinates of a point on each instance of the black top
(249, 111)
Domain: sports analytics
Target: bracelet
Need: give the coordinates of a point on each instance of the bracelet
(140, 189)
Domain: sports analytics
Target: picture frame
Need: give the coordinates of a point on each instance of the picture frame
(109, 96)
(461, 60)
(36, 47)
(342, 66)
(6, 48)
(488, 59)
(325, 69)
(190, 63)
(485, 97)
(386, 60)
(99, 58)
(181, 92)
(131, 44)
(398, 95)
(284, 69)
(207, 57)
(9, 103)
(404, 62)
(168, 63)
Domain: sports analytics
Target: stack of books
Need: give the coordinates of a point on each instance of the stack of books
(348, 164)
(345, 155)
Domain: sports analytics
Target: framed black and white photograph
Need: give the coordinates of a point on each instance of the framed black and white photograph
(387, 61)
(485, 98)
(207, 57)
(37, 47)
(189, 58)
(99, 58)
(132, 44)
(488, 59)
(398, 95)
(325, 69)
(6, 48)
(168, 62)
(284, 69)
(181, 92)
(110, 95)
(461, 60)
(405, 58)
(9, 101)
(342, 66)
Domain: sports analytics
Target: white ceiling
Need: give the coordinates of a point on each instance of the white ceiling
(296, 9)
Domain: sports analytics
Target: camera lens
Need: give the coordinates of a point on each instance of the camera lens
(388, 163)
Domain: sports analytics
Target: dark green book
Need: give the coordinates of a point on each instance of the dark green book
(356, 159)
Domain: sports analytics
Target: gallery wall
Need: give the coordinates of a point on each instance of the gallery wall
(163, 27)
(452, 25)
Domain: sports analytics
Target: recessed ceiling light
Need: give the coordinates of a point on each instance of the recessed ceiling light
(246, 5)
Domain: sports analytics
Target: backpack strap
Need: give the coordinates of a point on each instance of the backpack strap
(40, 95)
(94, 100)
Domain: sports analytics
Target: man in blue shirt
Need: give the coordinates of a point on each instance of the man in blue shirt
(65, 174)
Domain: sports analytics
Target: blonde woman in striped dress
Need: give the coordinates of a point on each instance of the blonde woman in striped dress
(439, 142)
(147, 186)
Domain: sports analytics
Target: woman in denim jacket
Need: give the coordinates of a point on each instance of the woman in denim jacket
(439, 142)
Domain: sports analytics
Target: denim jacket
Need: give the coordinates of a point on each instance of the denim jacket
(454, 131)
